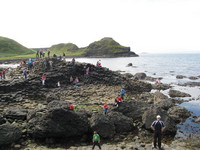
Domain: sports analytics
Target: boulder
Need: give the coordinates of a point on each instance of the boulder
(138, 87)
(121, 122)
(15, 113)
(175, 93)
(132, 109)
(166, 104)
(197, 119)
(9, 134)
(2, 120)
(180, 76)
(150, 115)
(103, 125)
(129, 65)
(159, 97)
(140, 76)
(161, 86)
(193, 78)
(128, 75)
(178, 113)
(57, 123)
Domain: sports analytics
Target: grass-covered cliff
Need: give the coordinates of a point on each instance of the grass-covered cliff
(10, 48)
(106, 47)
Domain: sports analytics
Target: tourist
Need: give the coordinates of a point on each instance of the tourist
(158, 127)
(87, 70)
(41, 53)
(73, 61)
(58, 84)
(76, 81)
(96, 140)
(118, 100)
(37, 54)
(48, 53)
(99, 63)
(71, 80)
(1, 76)
(158, 81)
(43, 79)
(4, 73)
(51, 64)
(71, 106)
(25, 73)
(105, 108)
(122, 92)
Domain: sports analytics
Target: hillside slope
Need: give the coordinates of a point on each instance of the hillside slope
(106, 47)
(9, 47)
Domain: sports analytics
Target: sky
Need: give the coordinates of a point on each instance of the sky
(153, 26)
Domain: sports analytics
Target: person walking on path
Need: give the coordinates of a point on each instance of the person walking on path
(43, 79)
(105, 108)
(96, 140)
(122, 92)
(158, 127)
(25, 73)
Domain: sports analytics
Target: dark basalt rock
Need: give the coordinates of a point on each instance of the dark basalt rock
(57, 122)
(9, 134)
(15, 113)
(175, 93)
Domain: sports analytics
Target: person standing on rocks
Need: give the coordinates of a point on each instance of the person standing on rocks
(158, 127)
(0, 74)
(105, 108)
(25, 73)
(4, 73)
(122, 92)
(43, 79)
(51, 64)
(87, 71)
(37, 54)
(96, 140)
(58, 84)
(48, 53)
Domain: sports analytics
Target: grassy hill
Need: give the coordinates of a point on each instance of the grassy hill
(67, 48)
(10, 48)
(106, 47)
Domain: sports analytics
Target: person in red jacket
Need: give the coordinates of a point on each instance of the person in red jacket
(71, 106)
(118, 100)
(4, 73)
(105, 108)
(43, 79)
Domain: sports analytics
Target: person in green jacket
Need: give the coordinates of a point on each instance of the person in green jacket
(96, 140)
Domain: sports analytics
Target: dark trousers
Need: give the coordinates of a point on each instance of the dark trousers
(96, 143)
(157, 135)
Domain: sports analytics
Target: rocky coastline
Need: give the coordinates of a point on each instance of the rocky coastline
(35, 116)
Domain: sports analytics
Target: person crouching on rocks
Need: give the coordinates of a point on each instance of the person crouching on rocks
(76, 81)
(158, 127)
(43, 79)
(105, 108)
(118, 100)
(96, 140)
(58, 84)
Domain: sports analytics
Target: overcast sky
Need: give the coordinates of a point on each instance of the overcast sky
(144, 25)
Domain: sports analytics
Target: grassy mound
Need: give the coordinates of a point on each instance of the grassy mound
(103, 47)
(11, 48)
